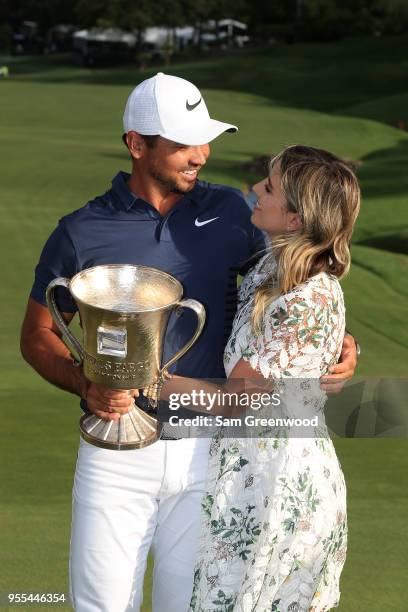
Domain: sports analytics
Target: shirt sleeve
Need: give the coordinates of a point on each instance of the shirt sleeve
(58, 258)
(298, 337)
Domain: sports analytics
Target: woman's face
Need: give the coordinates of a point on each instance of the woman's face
(270, 213)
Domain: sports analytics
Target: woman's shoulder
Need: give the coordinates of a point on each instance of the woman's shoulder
(264, 267)
(320, 291)
(323, 283)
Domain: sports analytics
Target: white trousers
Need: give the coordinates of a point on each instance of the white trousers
(124, 503)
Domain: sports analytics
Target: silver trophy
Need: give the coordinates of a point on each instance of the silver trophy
(124, 310)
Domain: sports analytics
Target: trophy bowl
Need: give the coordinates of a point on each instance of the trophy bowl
(124, 311)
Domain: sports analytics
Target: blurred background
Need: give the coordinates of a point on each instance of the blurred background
(327, 73)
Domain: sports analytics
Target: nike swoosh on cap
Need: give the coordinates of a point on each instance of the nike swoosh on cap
(191, 107)
(200, 223)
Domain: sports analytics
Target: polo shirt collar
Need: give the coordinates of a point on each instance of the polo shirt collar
(126, 199)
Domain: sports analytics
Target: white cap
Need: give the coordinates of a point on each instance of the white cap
(173, 108)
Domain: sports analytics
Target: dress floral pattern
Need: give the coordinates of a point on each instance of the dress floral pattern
(274, 531)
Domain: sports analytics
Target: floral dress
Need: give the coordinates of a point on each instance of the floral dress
(274, 530)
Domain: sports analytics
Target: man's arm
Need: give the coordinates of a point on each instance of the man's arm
(43, 348)
(343, 370)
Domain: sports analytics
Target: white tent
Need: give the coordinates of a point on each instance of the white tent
(105, 35)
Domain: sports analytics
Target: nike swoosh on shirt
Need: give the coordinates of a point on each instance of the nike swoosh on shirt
(191, 107)
(200, 223)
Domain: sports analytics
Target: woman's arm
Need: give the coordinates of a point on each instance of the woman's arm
(214, 399)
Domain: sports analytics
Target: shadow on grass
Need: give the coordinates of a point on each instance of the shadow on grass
(383, 172)
(353, 71)
(394, 243)
(32, 65)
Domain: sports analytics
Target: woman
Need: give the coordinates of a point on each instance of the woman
(274, 531)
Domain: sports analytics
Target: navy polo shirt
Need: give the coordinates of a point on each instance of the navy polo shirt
(205, 240)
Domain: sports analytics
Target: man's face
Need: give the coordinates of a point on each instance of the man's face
(174, 166)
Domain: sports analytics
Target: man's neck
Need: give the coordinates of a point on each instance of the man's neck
(162, 200)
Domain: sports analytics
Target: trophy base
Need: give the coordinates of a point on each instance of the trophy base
(136, 429)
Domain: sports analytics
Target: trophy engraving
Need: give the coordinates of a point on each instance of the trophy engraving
(115, 370)
(124, 310)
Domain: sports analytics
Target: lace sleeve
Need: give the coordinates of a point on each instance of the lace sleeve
(302, 332)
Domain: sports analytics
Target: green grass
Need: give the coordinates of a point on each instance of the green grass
(60, 145)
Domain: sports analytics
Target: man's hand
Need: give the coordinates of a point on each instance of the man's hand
(342, 371)
(109, 404)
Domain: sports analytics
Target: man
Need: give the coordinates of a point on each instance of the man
(160, 215)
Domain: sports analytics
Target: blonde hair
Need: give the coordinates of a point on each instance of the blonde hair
(324, 191)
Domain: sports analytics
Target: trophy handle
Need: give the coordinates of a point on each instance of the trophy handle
(70, 340)
(200, 312)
